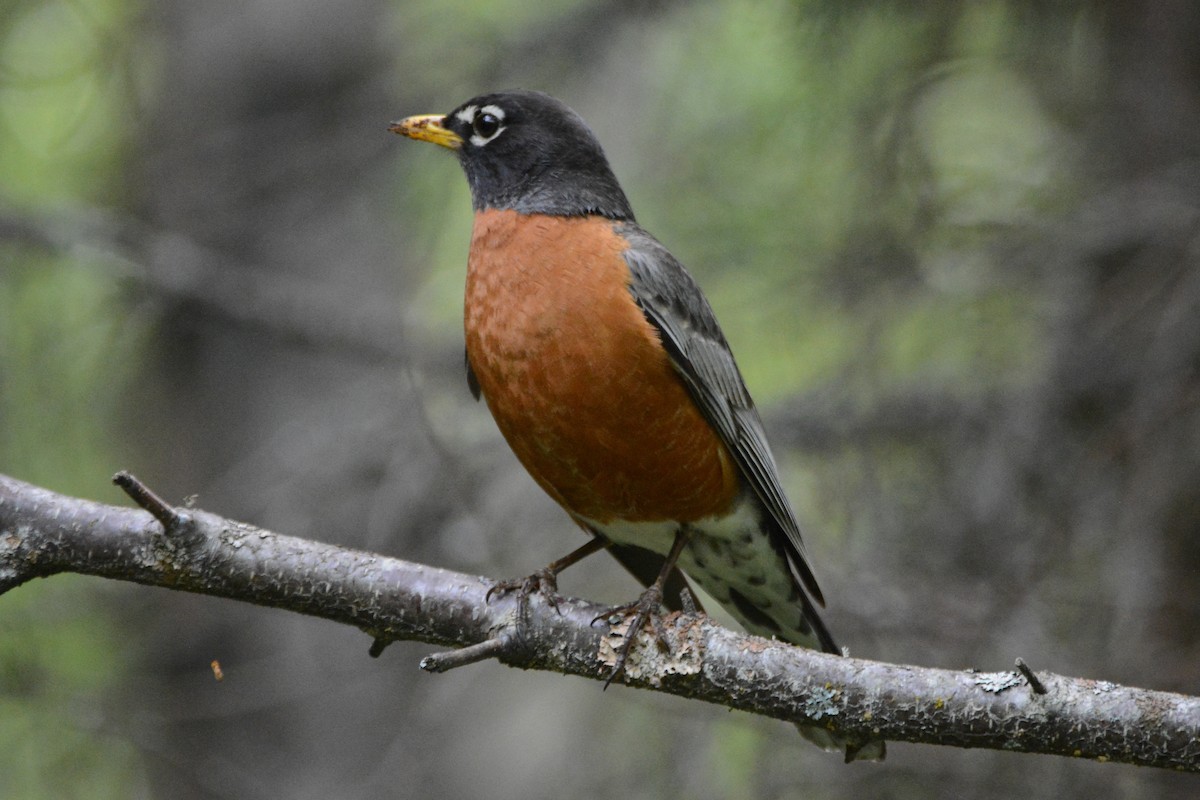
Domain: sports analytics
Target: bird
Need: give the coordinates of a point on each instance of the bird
(605, 369)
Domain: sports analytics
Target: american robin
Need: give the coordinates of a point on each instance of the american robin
(607, 373)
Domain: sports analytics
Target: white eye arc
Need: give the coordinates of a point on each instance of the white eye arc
(486, 123)
(495, 111)
(466, 115)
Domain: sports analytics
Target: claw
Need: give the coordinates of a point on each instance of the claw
(647, 605)
(543, 582)
(644, 610)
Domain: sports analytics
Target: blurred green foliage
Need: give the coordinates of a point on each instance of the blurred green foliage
(821, 115)
(66, 354)
(58, 656)
(66, 93)
(67, 349)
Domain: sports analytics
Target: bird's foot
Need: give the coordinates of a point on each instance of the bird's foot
(543, 582)
(643, 610)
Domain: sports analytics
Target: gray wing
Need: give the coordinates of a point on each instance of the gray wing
(674, 304)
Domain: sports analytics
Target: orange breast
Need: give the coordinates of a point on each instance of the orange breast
(577, 379)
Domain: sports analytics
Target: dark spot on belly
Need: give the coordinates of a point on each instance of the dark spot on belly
(757, 580)
(752, 613)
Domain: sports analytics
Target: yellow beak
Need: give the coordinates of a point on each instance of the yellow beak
(427, 128)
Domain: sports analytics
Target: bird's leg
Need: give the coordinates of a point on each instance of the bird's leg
(646, 605)
(545, 580)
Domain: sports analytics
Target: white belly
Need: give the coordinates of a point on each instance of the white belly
(732, 559)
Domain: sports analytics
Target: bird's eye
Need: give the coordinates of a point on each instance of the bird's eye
(485, 125)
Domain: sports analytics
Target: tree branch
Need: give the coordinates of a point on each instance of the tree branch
(43, 533)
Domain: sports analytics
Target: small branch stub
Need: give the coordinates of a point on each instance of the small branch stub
(451, 659)
(173, 521)
(1034, 683)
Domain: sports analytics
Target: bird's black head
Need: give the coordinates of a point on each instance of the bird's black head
(527, 152)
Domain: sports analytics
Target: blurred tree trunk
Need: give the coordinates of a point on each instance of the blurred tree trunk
(1147, 294)
(268, 125)
(1152, 119)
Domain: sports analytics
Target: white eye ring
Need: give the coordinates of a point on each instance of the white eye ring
(486, 123)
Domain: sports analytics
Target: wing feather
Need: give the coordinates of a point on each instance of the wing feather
(674, 304)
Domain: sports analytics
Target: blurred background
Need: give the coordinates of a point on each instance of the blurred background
(955, 246)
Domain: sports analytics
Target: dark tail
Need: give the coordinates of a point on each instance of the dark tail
(875, 750)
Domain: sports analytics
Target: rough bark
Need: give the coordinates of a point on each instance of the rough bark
(43, 533)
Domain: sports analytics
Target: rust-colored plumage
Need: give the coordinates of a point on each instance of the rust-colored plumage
(577, 378)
